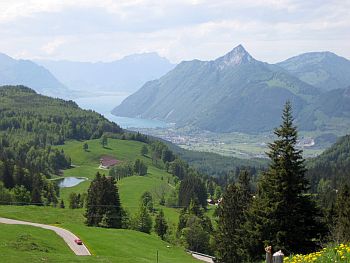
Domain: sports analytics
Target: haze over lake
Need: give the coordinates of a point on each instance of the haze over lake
(105, 103)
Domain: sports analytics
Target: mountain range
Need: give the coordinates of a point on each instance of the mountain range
(236, 92)
(28, 73)
(125, 75)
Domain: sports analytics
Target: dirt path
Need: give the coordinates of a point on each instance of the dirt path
(68, 237)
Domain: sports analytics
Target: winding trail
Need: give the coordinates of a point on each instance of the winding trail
(68, 237)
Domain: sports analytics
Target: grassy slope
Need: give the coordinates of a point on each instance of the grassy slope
(33, 244)
(108, 244)
(130, 188)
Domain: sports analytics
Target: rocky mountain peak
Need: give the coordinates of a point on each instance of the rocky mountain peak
(236, 56)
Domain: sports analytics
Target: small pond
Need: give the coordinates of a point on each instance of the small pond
(70, 181)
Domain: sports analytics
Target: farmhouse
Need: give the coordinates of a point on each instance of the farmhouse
(107, 162)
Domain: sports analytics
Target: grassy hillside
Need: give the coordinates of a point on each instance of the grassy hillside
(130, 189)
(34, 244)
(106, 245)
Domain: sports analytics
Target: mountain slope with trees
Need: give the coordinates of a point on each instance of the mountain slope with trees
(332, 166)
(324, 70)
(230, 93)
(237, 93)
(30, 125)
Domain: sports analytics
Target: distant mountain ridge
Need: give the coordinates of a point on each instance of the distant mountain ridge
(233, 93)
(324, 70)
(125, 75)
(28, 73)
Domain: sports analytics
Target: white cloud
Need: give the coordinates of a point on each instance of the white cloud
(51, 47)
(183, 29)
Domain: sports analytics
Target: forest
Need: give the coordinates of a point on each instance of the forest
(29, 125)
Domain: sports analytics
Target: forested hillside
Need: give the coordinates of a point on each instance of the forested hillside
(324, 70)
(216, 165)
(332, 166)
(237, 93)
(232, 93)
(29, 125)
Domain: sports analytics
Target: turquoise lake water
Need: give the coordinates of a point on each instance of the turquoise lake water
(106, 103)
(70, 181)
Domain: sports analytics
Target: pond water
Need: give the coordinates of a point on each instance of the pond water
(106, 103)
(70, 181)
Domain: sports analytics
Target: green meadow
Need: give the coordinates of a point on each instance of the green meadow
(106, 245)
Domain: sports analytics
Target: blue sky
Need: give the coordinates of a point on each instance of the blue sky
(105, 30)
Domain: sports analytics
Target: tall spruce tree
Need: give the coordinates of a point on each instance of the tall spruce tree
(282, 214)
(231, 217)
(161, 225)
(103, 206)
(143, 220)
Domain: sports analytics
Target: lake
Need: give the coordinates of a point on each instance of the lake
(70, 181)
(104, 104)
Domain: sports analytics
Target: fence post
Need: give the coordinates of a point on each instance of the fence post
(268, 254)
(278, 257)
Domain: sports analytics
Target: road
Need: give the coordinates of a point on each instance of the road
(68, 237)
(202, 257)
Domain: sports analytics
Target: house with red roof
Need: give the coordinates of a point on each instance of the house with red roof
(107, 162)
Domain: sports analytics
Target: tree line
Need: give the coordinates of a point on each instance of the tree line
(30, 124)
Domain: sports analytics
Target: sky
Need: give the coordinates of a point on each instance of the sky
(106, 30)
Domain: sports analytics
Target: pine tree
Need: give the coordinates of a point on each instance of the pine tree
(7, 176)
(103, 202)
(104, 141)
(161, 225)
(143, 221)
(343, 215)
(147, 201)
(282, 214)
(144, 150)
(36, 193)
(231, 217)
(85, 147)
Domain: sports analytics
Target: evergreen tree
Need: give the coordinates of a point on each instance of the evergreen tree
(140, 167)
(161, 225)
(192, 187)
(7, 176)
(21, 195)
(147, 201)
(282, 214)
(343, 215)
(74, 201)
(103, 202)
(231, 216)
(36, 197)
(104, 141)
(195, 236)
(144, 150)
(194, 227)
(143, 220)
(85, 147)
